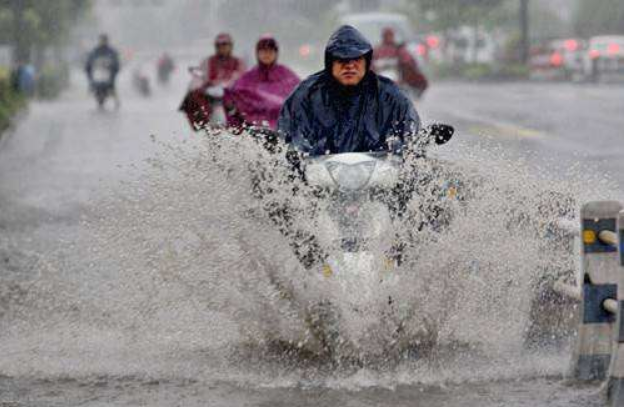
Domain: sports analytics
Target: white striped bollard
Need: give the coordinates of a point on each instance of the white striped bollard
(615, 385)
(600, 273)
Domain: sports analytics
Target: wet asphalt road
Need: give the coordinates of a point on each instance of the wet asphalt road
(63, 153)
(571, 123)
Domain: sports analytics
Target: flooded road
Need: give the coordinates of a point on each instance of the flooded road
(127, 392)
(99, 306)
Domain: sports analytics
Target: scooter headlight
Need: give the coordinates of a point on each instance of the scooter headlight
(351, 177)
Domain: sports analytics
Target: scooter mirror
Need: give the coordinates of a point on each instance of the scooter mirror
(441, 133)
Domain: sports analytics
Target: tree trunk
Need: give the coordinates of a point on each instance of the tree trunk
(475, 44)
(524, 31)
(21, 43)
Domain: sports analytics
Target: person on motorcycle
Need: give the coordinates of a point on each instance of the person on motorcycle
(164, 67)
(257, 97)
(391, 56)
(108, 57)
(23, 78)
(141, 81)
(347, 107)
(221, 69)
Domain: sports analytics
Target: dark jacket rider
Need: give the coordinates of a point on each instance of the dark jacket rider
(347, 107)
(107, 56)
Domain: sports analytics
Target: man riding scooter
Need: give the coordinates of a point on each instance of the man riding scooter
(347, 107)
(204, 97)
(102, 68)
(394, 61)
(350, 131)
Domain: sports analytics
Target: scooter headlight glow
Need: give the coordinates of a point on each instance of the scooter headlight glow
(351, 177)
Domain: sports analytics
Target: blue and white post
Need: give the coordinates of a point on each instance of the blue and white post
(600, 273)
(615, 385)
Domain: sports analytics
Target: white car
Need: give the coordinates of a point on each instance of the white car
(373, 24)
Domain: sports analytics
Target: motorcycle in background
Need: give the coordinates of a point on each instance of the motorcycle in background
(215, 96)
(164, 69)
(103, 82)
(389, 68)
(203, 104)
(410, 79)
(141, 83)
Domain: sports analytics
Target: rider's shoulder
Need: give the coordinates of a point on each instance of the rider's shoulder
(313, 80)
(107, 50)
(309, 85)
(286, 70)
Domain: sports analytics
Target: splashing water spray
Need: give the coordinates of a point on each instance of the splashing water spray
(217, 253)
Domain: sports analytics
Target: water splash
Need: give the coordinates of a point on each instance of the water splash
(186, 263)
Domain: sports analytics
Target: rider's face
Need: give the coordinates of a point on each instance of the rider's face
(388, 37)
(349, 72)
(224, 49)
(267, 56)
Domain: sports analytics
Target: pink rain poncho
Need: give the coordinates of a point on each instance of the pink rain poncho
(256, 98)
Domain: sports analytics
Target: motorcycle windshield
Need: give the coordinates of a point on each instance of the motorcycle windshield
(388, 67)
(102, 72)
(351, 177)
(353, 172)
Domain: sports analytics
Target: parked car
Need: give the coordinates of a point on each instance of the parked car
(605, 58)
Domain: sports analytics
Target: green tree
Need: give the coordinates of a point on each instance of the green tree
(35, 24)
(453, 13)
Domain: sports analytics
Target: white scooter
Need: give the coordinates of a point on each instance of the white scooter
(215, 95)
(356, 228)
(389, 68)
